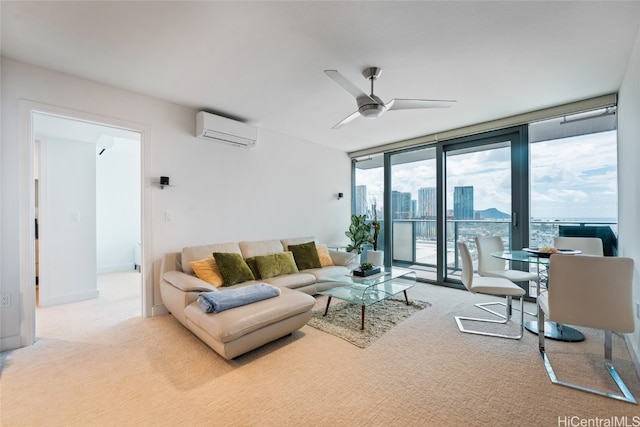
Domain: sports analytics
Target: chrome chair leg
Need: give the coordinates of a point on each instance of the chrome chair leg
(626, 395)
(505, 318)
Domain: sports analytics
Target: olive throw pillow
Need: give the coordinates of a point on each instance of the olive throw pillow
(306, 255)
(207, 270)
(233, 268)
(251, 262)
(276, 264)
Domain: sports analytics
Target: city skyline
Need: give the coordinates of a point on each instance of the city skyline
(567, 180)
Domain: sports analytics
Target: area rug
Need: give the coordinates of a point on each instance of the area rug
(343, 320)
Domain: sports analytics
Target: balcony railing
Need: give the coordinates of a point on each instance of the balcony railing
(414, 240)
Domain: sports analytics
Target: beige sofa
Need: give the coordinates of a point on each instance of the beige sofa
(238, 330)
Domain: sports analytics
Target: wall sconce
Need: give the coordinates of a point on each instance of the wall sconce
(164, 180)
(340, 196)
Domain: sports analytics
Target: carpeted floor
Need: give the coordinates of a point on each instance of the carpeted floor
(102, 365)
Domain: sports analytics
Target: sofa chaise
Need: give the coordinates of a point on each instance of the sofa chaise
(241, 329)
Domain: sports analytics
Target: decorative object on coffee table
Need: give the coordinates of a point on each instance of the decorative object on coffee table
(366, 269)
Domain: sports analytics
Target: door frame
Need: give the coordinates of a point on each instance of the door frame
(518, 138)
(27, 208)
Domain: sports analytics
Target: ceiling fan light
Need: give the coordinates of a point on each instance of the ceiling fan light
(371, 111)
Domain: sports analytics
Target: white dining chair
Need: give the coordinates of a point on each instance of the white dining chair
(489, 266)
(496, 286)
(586, 245)
(594, 292)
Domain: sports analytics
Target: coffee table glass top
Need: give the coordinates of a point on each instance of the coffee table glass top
(371, 289)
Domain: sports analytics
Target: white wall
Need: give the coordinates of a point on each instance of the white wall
(283, 187)
(628, 155)
(118, 206)
(67, 221)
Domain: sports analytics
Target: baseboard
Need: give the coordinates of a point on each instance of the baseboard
(68, 298)
(632, 351)
(159, 310)
(10, 343)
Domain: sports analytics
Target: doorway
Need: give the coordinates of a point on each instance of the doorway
(87, 212)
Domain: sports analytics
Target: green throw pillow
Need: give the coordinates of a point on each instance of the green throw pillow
(276, 264)
(306, 255)
(233, 268)
(251, 262)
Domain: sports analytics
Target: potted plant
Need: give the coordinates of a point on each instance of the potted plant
(359, 234)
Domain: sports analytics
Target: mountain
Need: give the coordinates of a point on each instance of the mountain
(491, 213)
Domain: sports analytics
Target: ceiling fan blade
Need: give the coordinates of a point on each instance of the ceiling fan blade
(346, 120)
(410, 104)
(347, 85)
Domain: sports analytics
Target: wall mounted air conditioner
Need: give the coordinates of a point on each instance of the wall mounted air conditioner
(227, 131)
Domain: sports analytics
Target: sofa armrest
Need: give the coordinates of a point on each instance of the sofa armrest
(186, 282)
(342, 258)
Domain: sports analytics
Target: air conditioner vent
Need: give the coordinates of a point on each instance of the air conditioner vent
(226, 131)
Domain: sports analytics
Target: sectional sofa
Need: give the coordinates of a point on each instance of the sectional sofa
(238, 330)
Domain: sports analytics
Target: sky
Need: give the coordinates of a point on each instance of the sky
(571, 178)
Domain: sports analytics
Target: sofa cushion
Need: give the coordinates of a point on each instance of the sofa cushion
(334, 272)
(232, 324)
(260, 247)
(306, 255)
(207, 270)
(195, 253)
(276, 264)
(292, 281)
(233, 268)
(325, 257)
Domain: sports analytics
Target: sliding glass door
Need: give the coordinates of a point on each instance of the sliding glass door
(478, 197)
(449, 192)
(414, 208)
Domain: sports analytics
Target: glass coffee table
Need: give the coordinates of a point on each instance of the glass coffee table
(365, 291)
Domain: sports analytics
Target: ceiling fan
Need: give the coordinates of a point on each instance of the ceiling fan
(371, 106)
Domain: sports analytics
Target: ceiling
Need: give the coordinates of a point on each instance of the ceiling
(262, 62)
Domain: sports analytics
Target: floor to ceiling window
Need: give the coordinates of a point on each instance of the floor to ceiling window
(515, 183)
(414, 207)
(368, 200)
(574, 177)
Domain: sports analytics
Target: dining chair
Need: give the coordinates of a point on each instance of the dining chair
(594, 292)
(489, 266)
(586, 245)
(496, 286)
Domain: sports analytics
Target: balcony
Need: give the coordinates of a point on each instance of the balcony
(414, 241)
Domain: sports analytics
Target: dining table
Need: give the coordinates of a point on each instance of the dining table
(552, 330)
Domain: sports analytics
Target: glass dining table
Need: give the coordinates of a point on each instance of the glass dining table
(552, 330)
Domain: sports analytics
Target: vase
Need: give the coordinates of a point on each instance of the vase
(357, 258)
(375, 257)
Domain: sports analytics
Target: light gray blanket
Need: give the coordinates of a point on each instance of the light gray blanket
(217, 301)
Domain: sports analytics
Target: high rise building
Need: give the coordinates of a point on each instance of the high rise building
(463, 202)
(427, 202)
(361, 200)
(400, 205)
